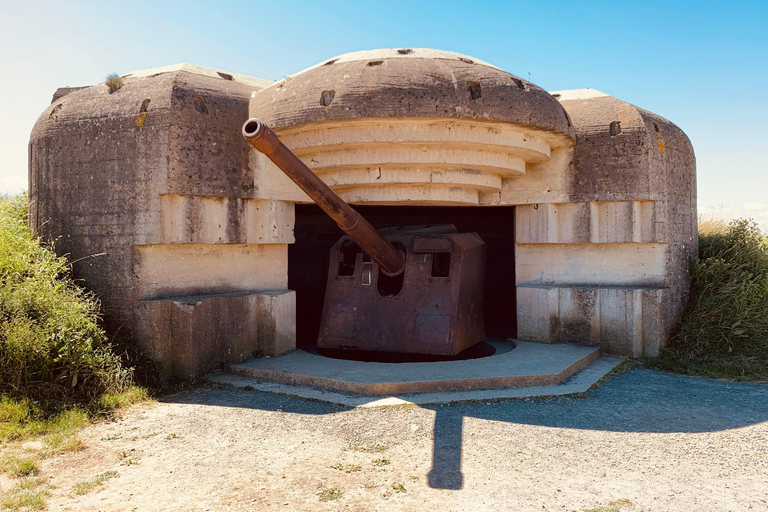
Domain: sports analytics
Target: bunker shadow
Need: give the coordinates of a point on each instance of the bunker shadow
(640, 401)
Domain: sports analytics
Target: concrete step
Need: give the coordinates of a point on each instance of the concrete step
(527, 365)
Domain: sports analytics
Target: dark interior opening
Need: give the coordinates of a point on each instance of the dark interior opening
(315, 233)
(476, 351)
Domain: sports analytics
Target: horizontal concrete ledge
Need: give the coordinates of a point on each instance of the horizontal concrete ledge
(529, 364)
(590, 286)
(201, 297)
(581, 382)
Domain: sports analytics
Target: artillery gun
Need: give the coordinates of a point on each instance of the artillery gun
(413, 289)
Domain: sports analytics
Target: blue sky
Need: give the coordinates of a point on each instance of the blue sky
(702, 65)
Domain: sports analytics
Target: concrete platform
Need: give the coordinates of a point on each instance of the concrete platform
(582, 381)
(528, 365)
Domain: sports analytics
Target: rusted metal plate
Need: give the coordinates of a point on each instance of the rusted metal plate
(437, 308)
(431, 244)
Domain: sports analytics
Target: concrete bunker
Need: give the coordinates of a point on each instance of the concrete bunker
(591, 199)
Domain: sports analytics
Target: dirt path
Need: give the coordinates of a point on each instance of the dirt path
(663, 442)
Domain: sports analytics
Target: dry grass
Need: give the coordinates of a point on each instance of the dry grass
(724, 331)
(29, 495)
(87, 486)
(330, 494)
(613, 506)
(114, 82)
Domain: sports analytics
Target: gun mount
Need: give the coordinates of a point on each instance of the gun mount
(416, 289)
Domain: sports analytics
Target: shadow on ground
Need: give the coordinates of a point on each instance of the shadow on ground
(640, 400)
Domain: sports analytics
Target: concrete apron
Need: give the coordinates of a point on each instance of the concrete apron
(529, 370)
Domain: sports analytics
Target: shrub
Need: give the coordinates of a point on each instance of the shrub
(724, 331)
(52, 347)
(114, 82)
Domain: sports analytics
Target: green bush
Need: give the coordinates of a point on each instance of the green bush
(52, 347)
(724, 331)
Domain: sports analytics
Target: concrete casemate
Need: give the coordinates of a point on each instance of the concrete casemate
(184, 230)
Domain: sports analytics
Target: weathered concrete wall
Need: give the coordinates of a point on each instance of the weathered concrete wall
(604, 260)
(151, 186)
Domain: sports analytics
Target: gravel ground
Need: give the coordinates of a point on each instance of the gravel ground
(645, 440)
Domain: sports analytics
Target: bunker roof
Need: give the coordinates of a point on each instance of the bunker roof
(202, 71)
(408, 82)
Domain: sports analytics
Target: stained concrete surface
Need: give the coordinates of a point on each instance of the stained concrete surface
(527, 364)
(580, 382)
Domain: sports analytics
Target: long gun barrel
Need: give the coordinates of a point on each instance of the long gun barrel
(261, 137)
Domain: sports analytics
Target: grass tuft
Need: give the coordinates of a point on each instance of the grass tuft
(359, 446)
(110, 402)
(87, 486)
(330, 494)
(347, 468)
(114, 82)
(25, 467)
(613, 506)
(30, 494)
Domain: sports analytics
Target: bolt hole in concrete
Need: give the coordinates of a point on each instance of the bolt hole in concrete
(55, 112)
(478, 351)
(326, 97)
(375, 63)
(200, 105)
(474, 90)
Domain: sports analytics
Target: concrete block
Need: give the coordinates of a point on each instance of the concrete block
(655, 318)
(459, 124)
(538, 314)
(178, 269)
(191, 335)
(277, 322)
(618, 310)
(567, 223)
(626, 264)
(188, 219)
(644, 222)
(625, 321)
(580, 316)
(611, 221)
